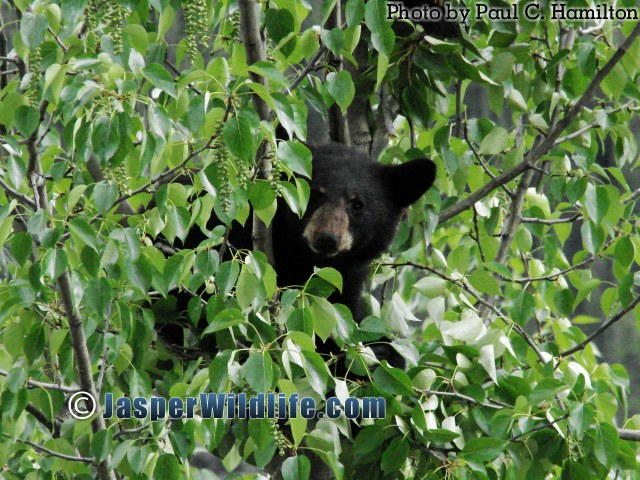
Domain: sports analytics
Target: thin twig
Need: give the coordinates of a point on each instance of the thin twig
(554, 276)
(540, 427)
(17, 195)
(57, 39)
(173, 68)
(169, 174)
(310, 66)
(48, 386)
(594, 124)
(53, 453)
(519, 330)
(497, 405)
(555, 221)
(633, 196)
(129, 431)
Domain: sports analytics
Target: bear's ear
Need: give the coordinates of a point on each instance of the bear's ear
(408, 181)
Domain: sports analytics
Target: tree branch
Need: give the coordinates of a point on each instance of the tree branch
(310, 66)
(76, 331)
(483, 191)
(617, 317)
(54, 427)
(255, 51)
(631, 435)
(542, 148)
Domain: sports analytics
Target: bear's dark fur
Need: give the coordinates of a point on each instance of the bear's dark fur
(353, 213)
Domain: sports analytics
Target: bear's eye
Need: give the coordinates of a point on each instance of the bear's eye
(355, 205)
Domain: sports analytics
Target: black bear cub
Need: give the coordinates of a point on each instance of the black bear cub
(353, 213)
(354, 210)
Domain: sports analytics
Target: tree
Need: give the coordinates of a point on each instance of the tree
(103, 105)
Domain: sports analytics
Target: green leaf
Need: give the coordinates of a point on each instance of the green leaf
(167, 468)
(53, 82)
(177, 223)
(260, 432)
(354, 12)
(395, 455)
(494, 143)
(545, 389)
(431, 287)
(296, 468)
(32, 29)
(219, 371)
(440, 436)
(262, 195)
(334, 40)
(101, 445)
(523, 308)
(21, 246)
(258, 371)
(166, 21)
(625, 252)
(225, 319)
(26, 120)
(317, 372)
(295, 156)
(238, 135)
(596, 202)
(34, 342)
(105, 137)
(160, 78)
(340, 87)
(484, 449)
(104, 194)
(392, 380)
(331, 275)
(484, 282)
(279, 23)
(382, 36)
(83, 233)
(606, 444)
(564, 300)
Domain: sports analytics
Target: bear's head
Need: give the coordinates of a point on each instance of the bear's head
(356, 204)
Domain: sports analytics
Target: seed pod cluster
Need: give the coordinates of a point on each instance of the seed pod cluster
(112, 16)
(115, 16)
(235, 25)
(102, 105)
(32, 94)
(118, 175)
(221, 159)
(195, 19)
(276, 173)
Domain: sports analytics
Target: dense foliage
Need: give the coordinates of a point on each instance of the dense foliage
(489, 282)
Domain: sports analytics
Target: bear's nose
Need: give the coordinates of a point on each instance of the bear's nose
(326, 243)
